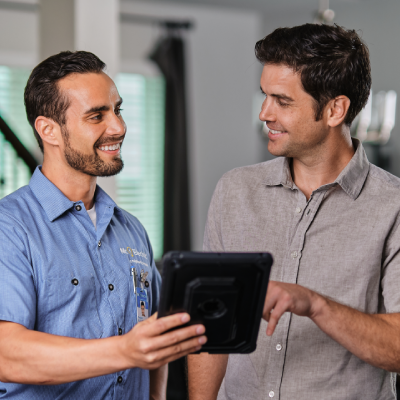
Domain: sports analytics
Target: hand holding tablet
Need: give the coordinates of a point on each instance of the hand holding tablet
(223, 291)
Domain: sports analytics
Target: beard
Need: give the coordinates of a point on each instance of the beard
(91, 164)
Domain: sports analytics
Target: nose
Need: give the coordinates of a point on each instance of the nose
(267, 112)
(116, 125)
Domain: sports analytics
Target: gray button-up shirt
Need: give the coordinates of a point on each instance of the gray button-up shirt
(343, 242)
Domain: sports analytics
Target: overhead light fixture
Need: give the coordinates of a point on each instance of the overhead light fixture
(324, 14)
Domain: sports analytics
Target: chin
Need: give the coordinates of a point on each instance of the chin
(277, 151)
(111, 169)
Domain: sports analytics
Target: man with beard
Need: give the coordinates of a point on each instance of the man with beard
(68, 314)
(331, 221)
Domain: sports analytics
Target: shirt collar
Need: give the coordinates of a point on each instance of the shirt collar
(55, 203)
(351, 179)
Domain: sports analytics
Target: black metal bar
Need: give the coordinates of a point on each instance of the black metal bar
(144, 19)
(20, 149)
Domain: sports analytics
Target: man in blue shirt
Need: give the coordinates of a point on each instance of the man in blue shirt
(68, 311)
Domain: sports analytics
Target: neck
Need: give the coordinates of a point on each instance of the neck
(75, 185)
(323, 167)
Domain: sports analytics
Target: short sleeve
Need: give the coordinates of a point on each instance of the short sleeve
(390, 281)
(17, 288)
(212, 234)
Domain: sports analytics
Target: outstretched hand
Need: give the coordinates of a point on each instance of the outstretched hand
(288, 297)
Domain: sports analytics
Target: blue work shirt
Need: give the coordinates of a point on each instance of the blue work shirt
(60, 275)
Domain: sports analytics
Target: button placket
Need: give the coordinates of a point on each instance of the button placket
(109, 280)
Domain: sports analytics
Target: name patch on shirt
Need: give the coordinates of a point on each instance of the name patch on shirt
(134, 252)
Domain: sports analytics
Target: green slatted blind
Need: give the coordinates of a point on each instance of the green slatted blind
(13, 171)
(140, 185)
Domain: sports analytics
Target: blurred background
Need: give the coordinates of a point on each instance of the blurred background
(190, 83)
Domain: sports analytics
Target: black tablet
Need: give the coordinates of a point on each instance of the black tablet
(223, 291)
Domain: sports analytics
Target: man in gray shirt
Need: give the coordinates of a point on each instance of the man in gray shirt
(331, 221)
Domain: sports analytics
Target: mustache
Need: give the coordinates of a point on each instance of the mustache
(111, 139)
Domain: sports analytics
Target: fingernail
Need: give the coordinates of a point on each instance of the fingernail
(197, 348)
(200, 330)
(202, 340)
(185, 318)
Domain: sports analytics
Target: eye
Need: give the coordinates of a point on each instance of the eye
(282, 104)
(118, 111)
(97, 117)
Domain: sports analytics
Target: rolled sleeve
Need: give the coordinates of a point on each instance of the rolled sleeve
(17, 288)
(390, 281)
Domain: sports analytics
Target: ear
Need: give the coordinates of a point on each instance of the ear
(48, 130)
(337, 110)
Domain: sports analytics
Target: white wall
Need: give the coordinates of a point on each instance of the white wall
(222, 79)
(19, 38)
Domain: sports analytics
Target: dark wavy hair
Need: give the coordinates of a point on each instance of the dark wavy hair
(42, 95)
(331, 60)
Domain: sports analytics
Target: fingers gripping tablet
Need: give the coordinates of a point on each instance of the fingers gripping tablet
(223, 291)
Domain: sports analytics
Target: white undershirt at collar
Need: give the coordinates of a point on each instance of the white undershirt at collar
(92, 215)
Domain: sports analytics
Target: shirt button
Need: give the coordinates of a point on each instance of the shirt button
(298, 210)
(271, 393)
(111, 286)
(99, 244)
(119, 380)
(279, 347)
(119, 331)
(294, 254)
(78, 208)
(75, 281)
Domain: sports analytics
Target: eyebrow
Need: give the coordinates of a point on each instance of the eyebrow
(278, 96)
(103, 108)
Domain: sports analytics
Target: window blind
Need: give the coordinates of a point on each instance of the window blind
(140, 185)
(14, 173)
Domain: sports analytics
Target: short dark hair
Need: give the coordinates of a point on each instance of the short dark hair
(42, 95)
(332, 61)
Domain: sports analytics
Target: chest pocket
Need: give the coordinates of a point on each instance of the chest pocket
(71, 307)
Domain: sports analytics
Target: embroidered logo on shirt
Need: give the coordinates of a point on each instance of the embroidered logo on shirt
(133, 252)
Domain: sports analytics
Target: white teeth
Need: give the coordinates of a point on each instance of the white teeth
(113, 147)
(275, 132)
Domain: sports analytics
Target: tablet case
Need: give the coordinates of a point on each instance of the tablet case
(223, 291)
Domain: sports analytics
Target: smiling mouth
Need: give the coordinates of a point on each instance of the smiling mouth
(110, 147)
(274, 132)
